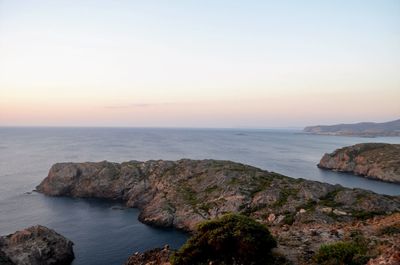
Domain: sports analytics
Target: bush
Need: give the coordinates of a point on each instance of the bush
(230, 239)
(342, 253)
(390, 230)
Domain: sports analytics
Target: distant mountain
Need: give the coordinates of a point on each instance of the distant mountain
(364, 129)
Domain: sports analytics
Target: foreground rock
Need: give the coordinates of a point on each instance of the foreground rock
(372, 160)
(300, 242)
(363, 129)
(183, 193)
(157, 256)
(36, 245)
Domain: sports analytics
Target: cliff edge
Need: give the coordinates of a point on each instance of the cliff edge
(372, 160)
(301, 214)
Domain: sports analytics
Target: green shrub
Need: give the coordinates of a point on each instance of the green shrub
(342, 253)
(230, 239)
(390, 230)
(289, 218)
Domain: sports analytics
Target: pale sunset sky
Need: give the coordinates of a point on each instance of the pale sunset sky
(193, 63)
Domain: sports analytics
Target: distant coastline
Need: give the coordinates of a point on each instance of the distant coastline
(362, 129)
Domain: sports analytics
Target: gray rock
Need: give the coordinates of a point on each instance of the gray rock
(372, 160)
(182, 193)
(36, 245)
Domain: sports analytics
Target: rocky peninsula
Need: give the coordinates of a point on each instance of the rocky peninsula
(381, 236)
(302, 214)
(36, 245)
(362, 129)
(372, 160)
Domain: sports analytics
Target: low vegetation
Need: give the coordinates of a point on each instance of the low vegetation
(230, 239)
(390, 230)
(353, 252)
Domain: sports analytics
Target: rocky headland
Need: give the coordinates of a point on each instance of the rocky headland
(372, 160)
(36, 245)
(363, 129)
(298, 244)
(301, 214)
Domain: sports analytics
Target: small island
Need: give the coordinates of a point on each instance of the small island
(379, 161)
(363, 129)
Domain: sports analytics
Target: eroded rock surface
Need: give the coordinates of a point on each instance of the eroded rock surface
(301, 214)
(183, 193)
(373, 160)
(36, 245)
(157, 256)
(298, 243)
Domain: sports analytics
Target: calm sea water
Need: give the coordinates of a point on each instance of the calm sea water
(106, 236)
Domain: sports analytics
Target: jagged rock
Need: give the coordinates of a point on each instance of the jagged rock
(372, 160)
(279, 219)
(183, 193)
(36, 245)
(298, 240)
(337, 212)
(157, 256)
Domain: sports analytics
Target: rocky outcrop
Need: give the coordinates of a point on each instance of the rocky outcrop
(363, 129)
(372, 160)
(300, 213)
(36, 245)
(299, 243)
(182, 193)
(157, 256)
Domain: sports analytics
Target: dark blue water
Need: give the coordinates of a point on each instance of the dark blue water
(106, 236)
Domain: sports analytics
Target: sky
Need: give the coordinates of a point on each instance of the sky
(257, 64)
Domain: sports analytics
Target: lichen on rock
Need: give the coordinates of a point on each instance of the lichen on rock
(36, 245)
(372, 160)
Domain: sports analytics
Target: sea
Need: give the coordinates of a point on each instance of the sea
(106, 233)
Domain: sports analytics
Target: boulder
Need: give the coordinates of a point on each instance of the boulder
(36, 245)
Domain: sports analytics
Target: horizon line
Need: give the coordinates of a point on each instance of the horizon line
(151, 127)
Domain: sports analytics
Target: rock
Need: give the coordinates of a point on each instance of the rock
(4, 259)
(271, 218)
(326, 210)
(300, 239)
(337, 212)
(36, 245)
(183, 193)
(372, 160)
(391, 256)
(279, 219)
(314, 232)
(157, 256)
